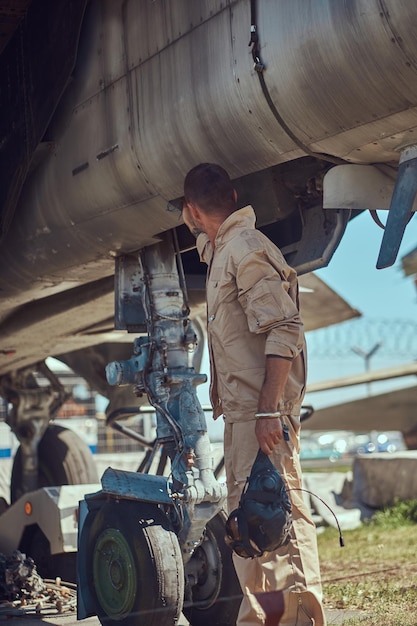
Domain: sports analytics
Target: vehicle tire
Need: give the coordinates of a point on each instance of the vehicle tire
(134, 565)
(35, 545)
(64, 459)
(216, 596)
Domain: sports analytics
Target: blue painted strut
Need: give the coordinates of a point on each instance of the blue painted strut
(153, 301)
(400, 211)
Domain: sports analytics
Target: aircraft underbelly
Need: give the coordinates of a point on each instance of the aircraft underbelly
(158, 89)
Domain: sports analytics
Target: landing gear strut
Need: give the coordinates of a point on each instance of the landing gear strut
(48, 455)
(33, 406)
(145, 538)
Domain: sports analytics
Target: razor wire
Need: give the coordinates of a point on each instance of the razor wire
(397, 338)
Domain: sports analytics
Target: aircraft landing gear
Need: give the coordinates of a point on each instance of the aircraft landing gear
(63, 459)
(48, 455)
(135, 567)
(213, 585)
(142, 536)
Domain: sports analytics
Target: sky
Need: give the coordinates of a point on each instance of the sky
(352, 272)
(385, 295)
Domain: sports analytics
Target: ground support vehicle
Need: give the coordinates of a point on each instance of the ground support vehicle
(50, 473)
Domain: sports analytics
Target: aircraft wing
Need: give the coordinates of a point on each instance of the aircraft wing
(393, 410)
(320, 305)
(409, 263)
(388, 373)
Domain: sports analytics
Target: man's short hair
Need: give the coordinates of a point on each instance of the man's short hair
(208, 186)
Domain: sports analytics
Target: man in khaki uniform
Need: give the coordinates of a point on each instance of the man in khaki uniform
(258, 376)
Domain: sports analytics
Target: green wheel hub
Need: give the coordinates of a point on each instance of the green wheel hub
(114, 574)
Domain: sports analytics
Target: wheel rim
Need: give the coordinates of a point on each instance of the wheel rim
(114, 574)
(207, 589)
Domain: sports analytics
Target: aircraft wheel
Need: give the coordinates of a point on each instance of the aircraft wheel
(216, 596)
(134, 565)
(64, 459)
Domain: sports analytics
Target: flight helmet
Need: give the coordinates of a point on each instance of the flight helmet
(262, 522)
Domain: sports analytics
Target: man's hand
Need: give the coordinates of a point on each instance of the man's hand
(268, 433)
(269, 430)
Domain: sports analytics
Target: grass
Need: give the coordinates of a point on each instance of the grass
(376, 572)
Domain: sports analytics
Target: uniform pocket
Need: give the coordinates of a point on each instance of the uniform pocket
(266, 304)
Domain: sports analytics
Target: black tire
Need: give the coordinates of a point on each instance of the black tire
(36, 545)
(134, 565)
(64, 459)
(216, 596)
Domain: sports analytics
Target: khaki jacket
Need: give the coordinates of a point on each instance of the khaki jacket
(252, 311)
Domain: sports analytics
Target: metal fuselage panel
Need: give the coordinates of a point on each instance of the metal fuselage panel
(159, 88)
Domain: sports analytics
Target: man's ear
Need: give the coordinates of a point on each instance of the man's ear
(195, 212)
(235, 195)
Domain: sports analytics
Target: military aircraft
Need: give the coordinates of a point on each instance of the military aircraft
(106, 104)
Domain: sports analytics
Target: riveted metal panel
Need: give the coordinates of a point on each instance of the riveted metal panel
(160, 86)
(166, 21)
(333, 66)
(189, 107)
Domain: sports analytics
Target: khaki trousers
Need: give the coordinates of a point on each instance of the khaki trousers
(282, 587)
